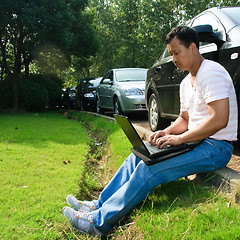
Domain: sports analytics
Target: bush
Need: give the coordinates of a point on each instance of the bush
(33, 96)
(54, 87)
(6, 94)
(34, 93)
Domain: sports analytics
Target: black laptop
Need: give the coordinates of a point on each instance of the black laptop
(143, 149)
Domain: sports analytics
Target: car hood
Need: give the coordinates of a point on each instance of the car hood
(89, 89)
(131, 85)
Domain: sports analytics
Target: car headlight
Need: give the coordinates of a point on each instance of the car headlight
(72, 95)
(136, 91)
(88, 95)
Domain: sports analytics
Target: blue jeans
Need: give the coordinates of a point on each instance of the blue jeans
(135, 180)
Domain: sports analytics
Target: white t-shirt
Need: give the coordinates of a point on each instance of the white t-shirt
(212, 83)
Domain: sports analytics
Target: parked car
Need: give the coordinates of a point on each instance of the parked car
(219, 34)
(86, 93)
(69, 97)
(122, 91)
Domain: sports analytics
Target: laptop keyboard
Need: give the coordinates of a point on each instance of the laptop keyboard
(154, 149)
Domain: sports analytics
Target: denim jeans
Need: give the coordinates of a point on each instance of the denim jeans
(135, 180)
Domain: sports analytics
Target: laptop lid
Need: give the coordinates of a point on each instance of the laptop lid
(131, 133)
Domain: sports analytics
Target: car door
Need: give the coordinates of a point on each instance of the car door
(167, 84)
(104, 90)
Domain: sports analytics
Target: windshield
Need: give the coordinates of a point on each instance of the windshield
(131, 75)
(233, 13)
(95, 82)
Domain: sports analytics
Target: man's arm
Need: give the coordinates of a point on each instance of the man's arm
(218, 119)
(180, 125)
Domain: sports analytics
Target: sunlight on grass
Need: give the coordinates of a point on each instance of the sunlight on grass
(34, 178)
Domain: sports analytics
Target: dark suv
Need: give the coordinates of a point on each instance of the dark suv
(219, 35)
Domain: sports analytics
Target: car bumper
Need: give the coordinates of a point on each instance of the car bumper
(133, 103)
(90, 103)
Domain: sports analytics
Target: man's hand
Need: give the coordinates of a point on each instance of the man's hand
(168, 140)
(156, 136)
(162, 138)
(170, 135)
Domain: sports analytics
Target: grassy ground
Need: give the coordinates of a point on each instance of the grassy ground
(41, 161)
(44, 157)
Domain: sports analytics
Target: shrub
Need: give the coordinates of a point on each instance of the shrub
(54, 87)
(34, 93)
(33, 96)
(6, 95)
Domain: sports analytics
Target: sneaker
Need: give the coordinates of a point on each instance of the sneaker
(81, 221)
(86, 206)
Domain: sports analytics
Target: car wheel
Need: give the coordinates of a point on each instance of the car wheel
(98, 108)
(83, 107)
(117, 107)
(154, 118)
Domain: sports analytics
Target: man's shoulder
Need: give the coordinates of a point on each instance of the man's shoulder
(211, 68)
(211, 65)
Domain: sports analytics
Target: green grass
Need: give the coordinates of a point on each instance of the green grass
(186, 210)
(35, 182)
(34, 179)
(178, 210)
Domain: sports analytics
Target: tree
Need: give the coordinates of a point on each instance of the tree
(132, 32)
(27, 27)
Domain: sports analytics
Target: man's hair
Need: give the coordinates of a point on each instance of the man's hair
(185, 34)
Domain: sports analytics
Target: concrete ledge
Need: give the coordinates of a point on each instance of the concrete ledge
(228, 177)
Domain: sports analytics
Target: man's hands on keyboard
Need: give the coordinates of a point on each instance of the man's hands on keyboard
(161, 139)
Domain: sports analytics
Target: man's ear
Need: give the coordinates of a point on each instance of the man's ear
(193, 46)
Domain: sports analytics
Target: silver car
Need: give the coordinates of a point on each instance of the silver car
(122, 90)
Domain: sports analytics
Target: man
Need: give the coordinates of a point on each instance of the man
(208, 112)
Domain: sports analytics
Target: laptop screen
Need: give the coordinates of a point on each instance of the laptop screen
(131, 133)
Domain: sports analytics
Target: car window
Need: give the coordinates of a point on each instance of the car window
(131, 75)
(165, 53)
(209, 19)
(109, 75)
(94, 82)
(233, 13)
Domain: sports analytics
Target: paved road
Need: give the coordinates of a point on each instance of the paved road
(136, 118)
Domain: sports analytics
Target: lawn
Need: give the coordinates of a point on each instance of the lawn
(41, 161)
(45, 156)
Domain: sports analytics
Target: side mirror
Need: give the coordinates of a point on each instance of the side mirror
(206, 34)
(107, 81)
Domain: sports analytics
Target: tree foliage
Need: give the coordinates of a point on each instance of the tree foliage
(49, 36)
(132, 32)
(34, 29)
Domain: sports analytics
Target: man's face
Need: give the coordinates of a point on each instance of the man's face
(181, 56)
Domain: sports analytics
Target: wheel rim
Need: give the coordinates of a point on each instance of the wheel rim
(98, 106)
(153, 113)
(116, 108)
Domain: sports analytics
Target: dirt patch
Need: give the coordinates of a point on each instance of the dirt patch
(234, 163)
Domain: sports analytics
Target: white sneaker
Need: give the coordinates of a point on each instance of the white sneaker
(87, 206)
(81, 221)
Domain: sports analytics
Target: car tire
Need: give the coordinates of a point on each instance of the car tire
(99, 110)
(117, 107)
(156, 122)
(83, 107)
